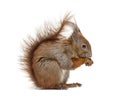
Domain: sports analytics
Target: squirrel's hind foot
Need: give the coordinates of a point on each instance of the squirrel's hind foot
(66, 86)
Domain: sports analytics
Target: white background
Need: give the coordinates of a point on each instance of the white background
(99, 21)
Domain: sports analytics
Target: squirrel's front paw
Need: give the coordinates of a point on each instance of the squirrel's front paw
(88, 62)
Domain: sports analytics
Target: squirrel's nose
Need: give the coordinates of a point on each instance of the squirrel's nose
(89, 54)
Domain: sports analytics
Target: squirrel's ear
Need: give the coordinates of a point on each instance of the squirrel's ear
(75, 37)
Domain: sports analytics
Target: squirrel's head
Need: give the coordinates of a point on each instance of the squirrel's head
(80, 44)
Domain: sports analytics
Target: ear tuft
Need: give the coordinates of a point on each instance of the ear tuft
(75, 37)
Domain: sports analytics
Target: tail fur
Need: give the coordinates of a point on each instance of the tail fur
(50, 33)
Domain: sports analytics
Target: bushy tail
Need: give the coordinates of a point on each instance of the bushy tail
(50, 33)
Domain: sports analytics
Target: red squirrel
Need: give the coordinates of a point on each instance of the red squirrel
(49, 58)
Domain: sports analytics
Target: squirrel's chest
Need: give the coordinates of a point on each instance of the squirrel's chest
(64, 75)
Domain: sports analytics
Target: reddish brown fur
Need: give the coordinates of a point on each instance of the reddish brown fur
(51, 35)
(32, 44)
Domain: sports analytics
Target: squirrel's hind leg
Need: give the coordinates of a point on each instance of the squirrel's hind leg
(48, 74)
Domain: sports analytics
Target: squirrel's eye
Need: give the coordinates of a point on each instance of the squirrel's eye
(84, 46)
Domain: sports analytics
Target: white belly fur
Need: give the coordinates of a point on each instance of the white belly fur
(63, 75)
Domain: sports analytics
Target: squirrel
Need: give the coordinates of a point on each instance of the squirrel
(49, 58)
